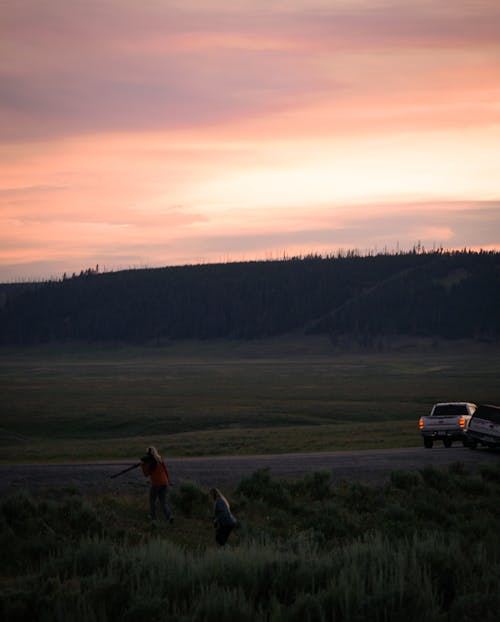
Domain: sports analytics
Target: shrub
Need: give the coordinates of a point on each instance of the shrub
(260, 486)
(316, 486)
(31, 527)
(405, 480)
(456, 468)
(476, 607)
(224, 605)
(307, 608)
(190, 499)
(146, 608)
(92, 555)
(398, 519)
(474, 484)
(435, 478)
(431, 509)
(491, 472)
(330, 521)
(18, 508)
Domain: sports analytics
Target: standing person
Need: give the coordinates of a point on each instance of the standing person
(154, 467)
(224, 521)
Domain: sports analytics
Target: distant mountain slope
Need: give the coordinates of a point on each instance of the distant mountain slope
(451, 295)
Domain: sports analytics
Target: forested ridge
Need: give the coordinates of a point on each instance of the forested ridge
(438, 294)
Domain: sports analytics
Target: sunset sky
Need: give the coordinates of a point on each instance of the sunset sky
(171, 132)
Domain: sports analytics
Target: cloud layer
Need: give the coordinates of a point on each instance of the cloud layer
(177, 132)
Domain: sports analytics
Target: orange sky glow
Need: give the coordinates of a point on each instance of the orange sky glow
(178, 132)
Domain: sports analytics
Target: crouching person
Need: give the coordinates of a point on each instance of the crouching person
(154, 467)
(224, 521)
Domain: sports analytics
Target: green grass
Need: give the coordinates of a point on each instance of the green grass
(200, 398)
(422, 547)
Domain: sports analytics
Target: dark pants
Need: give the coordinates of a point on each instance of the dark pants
(159, 492)
(222, 534)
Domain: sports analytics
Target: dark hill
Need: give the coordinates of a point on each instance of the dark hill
(451, 295)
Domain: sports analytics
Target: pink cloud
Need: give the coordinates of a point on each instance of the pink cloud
(87, 67)
(178, 131)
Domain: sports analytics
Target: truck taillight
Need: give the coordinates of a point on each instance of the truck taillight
(421, 423)
(461, 423)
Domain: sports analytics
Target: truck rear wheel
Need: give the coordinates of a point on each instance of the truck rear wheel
(428, 442)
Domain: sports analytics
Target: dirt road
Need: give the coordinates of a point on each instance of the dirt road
(368, 466)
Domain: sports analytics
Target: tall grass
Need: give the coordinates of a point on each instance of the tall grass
(423, 547)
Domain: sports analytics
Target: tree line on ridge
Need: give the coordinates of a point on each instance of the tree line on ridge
(439, 294)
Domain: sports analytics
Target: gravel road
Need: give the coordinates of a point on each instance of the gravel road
(368, 466)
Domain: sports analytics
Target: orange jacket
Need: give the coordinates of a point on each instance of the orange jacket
(157, 471)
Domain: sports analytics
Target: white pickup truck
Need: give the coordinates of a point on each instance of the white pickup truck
(484, 427)
(448, 422)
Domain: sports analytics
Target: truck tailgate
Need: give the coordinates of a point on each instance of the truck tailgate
(441, 424)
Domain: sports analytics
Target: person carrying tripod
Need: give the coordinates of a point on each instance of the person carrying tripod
(154, 467)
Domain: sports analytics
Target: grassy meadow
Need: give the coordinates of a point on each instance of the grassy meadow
(290, 394)
(423, 547)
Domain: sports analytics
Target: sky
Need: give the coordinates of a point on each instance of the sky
(171, 132)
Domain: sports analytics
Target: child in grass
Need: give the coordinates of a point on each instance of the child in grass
(224, 521)
(154, 467)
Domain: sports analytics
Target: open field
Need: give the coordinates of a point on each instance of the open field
(216, 398)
